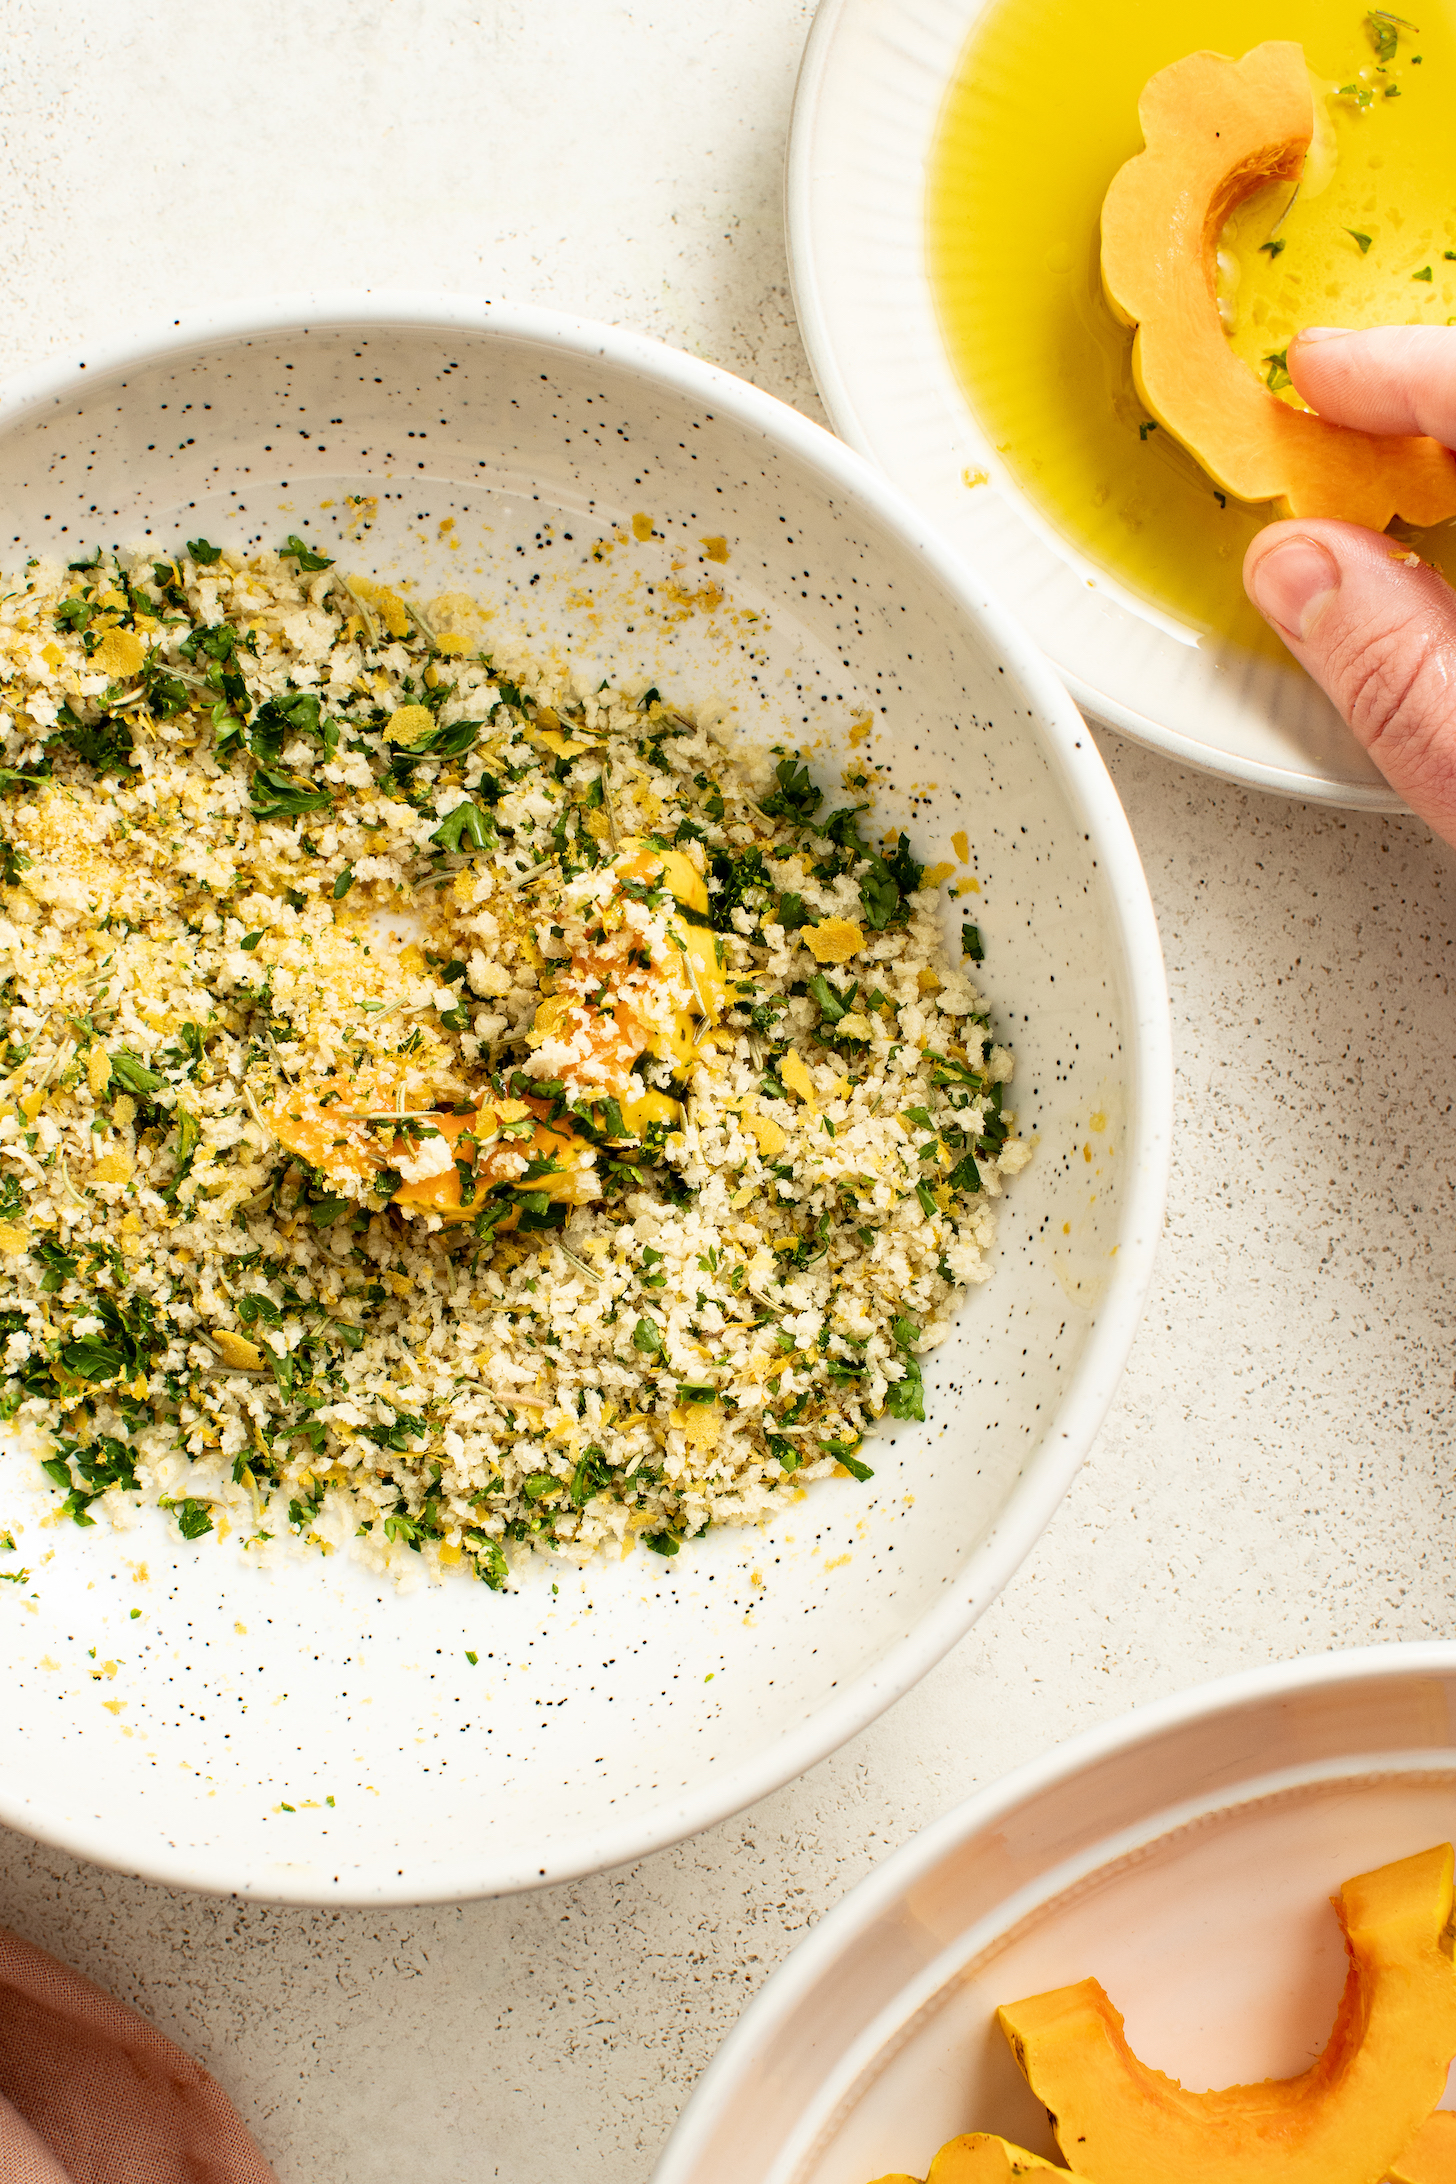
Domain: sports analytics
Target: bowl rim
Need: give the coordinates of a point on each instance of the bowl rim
(805, 289)
(997, 1807)
(1073, 755)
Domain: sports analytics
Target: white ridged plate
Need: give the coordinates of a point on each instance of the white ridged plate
(874, 77)
(1184, 1855)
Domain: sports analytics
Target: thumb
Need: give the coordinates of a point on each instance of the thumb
(1376, 628)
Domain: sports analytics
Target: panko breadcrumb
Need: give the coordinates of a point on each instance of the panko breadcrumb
(618, 1199)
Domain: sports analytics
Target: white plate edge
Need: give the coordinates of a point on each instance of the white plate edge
(875, 2048)
(813, 1958)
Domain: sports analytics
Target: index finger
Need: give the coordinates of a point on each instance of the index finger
(1387, 379)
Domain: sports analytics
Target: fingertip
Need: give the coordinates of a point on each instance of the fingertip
(1298, 362)
(1380, 379)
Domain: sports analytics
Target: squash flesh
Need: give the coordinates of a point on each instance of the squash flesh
(1346, 2120)
(1215, 130)
(979, 2157)
(1430, 2157)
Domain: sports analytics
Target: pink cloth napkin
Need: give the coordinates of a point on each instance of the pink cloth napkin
(90, 2093)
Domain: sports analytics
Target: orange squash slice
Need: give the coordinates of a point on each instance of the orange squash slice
(1430, 2157)
(1346, 2120)
(979, 2157)
(1215, 130)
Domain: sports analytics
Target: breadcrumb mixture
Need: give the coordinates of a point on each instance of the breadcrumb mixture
(447, 1103)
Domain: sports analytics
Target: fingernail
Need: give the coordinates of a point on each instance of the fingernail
(1323, 333)
(1293, 581)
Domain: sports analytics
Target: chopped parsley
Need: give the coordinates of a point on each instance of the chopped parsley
(220, 1285)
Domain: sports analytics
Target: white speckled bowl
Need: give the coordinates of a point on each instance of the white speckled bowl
(644, 1699)
(1185, 1855)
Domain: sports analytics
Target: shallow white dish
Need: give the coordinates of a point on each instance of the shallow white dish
(1184, 1855)
(642, 1700)
(874, 76)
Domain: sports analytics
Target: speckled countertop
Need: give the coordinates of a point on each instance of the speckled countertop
(1275, 1474)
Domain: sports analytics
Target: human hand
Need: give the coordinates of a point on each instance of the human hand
(1372, 624)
